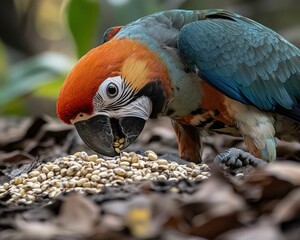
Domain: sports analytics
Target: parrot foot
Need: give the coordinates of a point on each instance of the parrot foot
(236, 158)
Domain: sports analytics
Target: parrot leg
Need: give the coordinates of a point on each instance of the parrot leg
(189, 143)
(256, 127)
(236, 158)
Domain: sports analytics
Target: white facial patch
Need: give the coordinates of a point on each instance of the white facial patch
(114, 99)
(141, 108)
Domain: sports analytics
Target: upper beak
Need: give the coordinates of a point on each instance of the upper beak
(99, 132)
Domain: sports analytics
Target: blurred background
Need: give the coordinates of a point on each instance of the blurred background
(40, 40)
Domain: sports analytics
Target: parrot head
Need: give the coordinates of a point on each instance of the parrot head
(112, 91)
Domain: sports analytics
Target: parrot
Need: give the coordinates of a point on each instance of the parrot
(210, 71)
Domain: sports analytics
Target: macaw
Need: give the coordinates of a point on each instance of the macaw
(208, 70)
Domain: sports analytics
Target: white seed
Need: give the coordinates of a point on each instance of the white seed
(18, 180)
(112, 165)
(53, 194)
(6, 186)
(240, 175)
(33, 179)
(103, 180)
(103, 175)
(33, 173)
(129, 180)
(21, 201)
(50, 174)
(95, 178)
(204, 167)
(124, 158)
(206, 174)
(173, 179)
(120, 172)
(129, 174)
(195, 173)
(37, 191)
(89, 169)
(141, 163)
(135, 165)
(88, 176)
(96, 172)
(161, 177)
(71, 184)
(162, 162)
(42, 177)
(81, 181)
(152, 156)
(63, 171)
(30, 197)
(72, 170)
(87, 185)
(98, 161)
(45, 170)
(188, 169)
(84, 155)
(134, 158)
(92, 158)
(137, 178)
(124, 164)
(163, 167)
(199, 177)
(77, 154)
(55, 168)
(104, 164)
(154, 166)
(116, 177)
(125, 154)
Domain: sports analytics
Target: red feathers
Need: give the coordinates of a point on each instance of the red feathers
(115, 57)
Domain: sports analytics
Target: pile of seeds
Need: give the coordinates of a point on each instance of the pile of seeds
(81, 172)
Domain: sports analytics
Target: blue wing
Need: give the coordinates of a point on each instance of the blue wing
(245, 61)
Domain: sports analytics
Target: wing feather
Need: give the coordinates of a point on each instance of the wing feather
(244, 60)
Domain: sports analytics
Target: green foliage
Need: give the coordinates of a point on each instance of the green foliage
(44, 71)
(83, 16)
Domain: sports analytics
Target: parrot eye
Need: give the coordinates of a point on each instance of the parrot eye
(112, 90)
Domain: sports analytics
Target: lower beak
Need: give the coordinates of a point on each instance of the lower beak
(99, 132)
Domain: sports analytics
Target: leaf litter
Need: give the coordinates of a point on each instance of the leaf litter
(264, 203)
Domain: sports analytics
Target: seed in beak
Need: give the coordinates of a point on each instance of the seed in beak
(118, 144)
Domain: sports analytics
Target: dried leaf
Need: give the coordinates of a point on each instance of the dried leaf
(78, 214)
(258, 231)
(288, 209)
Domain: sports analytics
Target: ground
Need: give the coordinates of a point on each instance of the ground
(204, 202)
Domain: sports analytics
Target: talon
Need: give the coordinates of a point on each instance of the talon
(236, 158)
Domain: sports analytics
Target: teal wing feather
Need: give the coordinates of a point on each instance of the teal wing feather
(244, 60)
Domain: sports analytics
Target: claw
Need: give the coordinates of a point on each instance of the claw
(236, 158)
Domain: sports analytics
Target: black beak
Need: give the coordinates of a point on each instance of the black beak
(99, 132)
